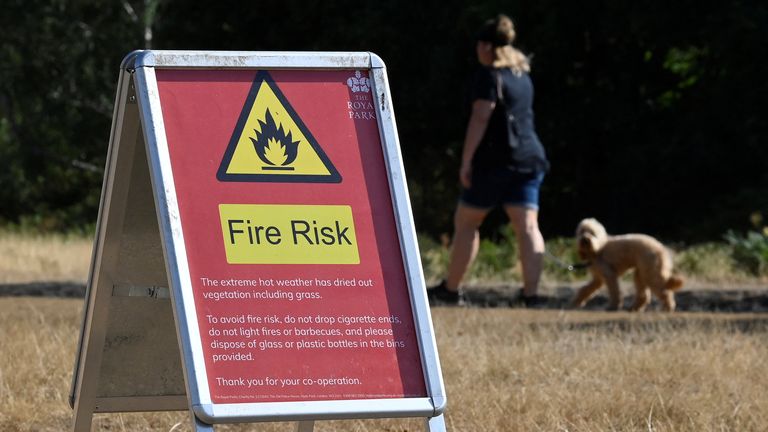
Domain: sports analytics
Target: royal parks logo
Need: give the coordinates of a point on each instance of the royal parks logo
(360, 105)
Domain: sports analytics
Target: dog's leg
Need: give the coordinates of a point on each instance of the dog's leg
(665, 295)
(614, 290)
(586, 292)
(641, 294)
(667, 298)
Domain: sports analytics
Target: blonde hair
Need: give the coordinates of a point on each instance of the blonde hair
(500, 32)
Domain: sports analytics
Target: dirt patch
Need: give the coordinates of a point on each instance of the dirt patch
(749, 299)
(43, 289)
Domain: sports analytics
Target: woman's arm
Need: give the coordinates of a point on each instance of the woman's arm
(478, 122)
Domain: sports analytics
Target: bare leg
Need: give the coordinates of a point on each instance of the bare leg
(530, 244)
(466, 241)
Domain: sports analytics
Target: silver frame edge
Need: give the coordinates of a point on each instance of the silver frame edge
(174, 247)
(315, 410)
(408, 239)
(248, 59)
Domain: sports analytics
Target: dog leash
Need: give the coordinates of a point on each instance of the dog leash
(563, 264)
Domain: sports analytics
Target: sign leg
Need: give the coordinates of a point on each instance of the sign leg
(436, 424)
(85, 381)
(305, 426)
(83, 420)
(200, 426)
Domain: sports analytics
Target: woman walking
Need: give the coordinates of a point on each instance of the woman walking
(503, 162)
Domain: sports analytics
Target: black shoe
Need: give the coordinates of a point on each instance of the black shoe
(531, 302)
(440, 295)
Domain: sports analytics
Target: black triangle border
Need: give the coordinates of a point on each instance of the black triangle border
(223, 176)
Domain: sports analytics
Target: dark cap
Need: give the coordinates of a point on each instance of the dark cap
(488, 34)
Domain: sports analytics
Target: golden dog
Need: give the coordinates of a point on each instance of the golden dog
(609, 257)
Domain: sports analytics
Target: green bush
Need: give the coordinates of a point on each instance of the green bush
(561, 252)
(738, 259)
(496, 260)
(708, 262)
(750, 251)
(434, 258)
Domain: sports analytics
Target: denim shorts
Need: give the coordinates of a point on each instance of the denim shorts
(503, 187)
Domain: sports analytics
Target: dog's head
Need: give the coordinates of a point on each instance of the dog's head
(590, 238)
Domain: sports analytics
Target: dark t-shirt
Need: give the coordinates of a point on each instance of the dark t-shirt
(517, 94)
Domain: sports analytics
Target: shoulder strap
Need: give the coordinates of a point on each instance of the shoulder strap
(499, 93)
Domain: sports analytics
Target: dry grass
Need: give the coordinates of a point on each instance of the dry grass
(505, 370)
(38, 258)
(578, 371)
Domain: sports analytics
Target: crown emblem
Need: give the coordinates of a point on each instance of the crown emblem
(359, 83)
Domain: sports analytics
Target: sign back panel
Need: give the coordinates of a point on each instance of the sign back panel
(290, 234)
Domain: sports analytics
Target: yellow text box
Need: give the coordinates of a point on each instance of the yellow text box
(288, 234)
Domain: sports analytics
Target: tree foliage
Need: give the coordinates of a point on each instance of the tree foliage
(649, 110)
(57, 77)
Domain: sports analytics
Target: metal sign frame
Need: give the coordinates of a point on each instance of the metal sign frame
(138, 127)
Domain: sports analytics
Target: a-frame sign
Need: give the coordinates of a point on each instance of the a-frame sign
(255, 257)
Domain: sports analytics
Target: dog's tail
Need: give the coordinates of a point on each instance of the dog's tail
(674, 283)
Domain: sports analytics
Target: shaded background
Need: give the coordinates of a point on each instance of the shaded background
(649, 110)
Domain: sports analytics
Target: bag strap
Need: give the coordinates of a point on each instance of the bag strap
(499, 93)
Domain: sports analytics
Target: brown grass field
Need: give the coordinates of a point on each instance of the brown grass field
(505, 369)
(37, 258)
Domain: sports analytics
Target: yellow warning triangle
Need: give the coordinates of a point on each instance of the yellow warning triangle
(271, 144)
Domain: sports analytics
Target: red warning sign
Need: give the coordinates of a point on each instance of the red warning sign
(290, 235)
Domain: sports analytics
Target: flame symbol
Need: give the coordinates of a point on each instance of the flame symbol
(273, 146)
